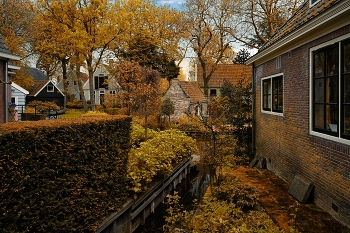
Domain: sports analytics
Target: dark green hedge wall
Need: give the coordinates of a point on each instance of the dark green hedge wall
(62, 175)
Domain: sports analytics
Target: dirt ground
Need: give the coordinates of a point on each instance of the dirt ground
(283, 208)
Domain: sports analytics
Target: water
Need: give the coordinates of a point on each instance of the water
(192, 189)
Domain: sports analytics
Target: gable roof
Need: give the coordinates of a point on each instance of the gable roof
(307, 24)
(192, 90)
(35, 73)
(21, 89)
(226, 72)
(38, 86)
(304, 14)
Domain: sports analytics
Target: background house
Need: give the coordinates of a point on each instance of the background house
(224, 72)
(5, 72)
(18, 96)
(301, 102)
(46, 91)
(187, 97)
(72, 81)
(103, 84)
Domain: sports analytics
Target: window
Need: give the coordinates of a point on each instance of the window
(212, 93)
(272, 94)
(331, 90)
(50, 88)
(101, 82)
(278, 62)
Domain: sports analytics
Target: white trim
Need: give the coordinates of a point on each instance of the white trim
(50, 85)
(21, 89)
(261, 95)
(14, 67)
(313, 4)
(10, 56)
(46, 89)
(315, 48)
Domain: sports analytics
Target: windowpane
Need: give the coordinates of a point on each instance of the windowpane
(332, 90)
(267, 86)
(346, 129)
(319, 65)
(346, 88)
(346, 58)
(319, 116)
(332, 61)
(319, 90)
(332, 117)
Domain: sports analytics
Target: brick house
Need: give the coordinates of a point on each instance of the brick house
(5, 85)
(301, 102)
(187, 97)
(224, 72)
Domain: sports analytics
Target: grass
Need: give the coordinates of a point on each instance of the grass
(71, 113)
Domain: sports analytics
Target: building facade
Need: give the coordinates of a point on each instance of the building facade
(301, 109)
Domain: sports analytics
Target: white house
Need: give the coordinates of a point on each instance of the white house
(18, 96)
(103, 84)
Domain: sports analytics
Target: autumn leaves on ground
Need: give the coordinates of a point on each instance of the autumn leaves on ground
(251, 200)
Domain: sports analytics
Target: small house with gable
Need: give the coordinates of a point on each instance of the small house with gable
(187, 98)
(46, 91)
(301, 102)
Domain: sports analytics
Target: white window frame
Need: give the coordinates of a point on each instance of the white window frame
(262, 95)
(311, 131)
(278, 62)
(53, 88)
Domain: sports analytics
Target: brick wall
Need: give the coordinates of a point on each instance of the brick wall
(285, 140)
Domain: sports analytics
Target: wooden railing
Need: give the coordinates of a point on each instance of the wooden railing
(135, 212)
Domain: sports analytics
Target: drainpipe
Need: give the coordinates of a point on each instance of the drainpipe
(253, 109)
(6, 92)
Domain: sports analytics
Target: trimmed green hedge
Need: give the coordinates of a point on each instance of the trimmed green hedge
(62, 175)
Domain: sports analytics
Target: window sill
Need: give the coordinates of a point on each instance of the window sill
(329, 137)
(273, 113)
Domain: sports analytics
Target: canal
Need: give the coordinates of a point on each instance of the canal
(190, 189)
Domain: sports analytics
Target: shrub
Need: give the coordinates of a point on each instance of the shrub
(65, 175)
(75, 104)
(155, 157)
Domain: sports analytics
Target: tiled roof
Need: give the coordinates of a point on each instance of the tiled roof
(304, 14)
(36, 86)
(84, 77)
(35, 73)
(192, 90)
(226, 72)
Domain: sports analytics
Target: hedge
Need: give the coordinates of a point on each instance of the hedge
(62, 175)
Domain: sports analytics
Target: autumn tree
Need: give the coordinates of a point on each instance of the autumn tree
(16, 18)
(209, 23)
(238, 98)
(258, 20)
(140, 89)
(167, 108)
(152, 38)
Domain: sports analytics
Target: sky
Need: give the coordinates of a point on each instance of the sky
(177, 4)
